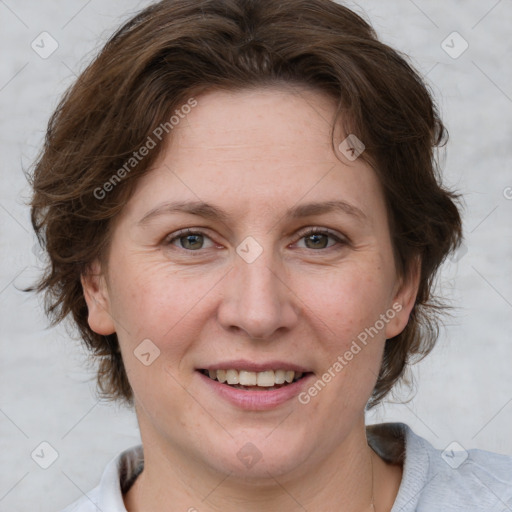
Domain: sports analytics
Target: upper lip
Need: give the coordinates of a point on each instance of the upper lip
(253, 366)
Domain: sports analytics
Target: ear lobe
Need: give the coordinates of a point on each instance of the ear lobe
(97, 298)
(404, 300)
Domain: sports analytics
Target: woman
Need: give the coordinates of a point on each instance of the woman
(244, 216)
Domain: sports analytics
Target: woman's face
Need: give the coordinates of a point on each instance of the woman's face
(248, 291)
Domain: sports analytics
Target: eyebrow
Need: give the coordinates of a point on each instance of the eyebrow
(209, 211)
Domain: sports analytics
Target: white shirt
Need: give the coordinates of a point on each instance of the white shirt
(432, 480)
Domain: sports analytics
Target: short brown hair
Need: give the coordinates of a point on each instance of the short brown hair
(176, 49)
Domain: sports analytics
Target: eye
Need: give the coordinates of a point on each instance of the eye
(188, 239)
(316, 238)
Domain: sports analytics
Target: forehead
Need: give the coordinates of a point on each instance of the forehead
(258, 122)
(262, 148)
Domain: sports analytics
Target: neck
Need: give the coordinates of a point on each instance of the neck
(345, 480)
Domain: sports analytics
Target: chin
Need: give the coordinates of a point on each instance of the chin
(256, 459)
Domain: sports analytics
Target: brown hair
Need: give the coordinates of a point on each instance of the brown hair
(174, 50)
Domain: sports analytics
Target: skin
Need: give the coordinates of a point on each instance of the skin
(255, 154)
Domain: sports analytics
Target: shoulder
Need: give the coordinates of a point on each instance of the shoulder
(87, 503)
(453, 479)
(473, 480)
(108, 494)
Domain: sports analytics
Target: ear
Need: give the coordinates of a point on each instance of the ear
(404, 299)
(97, 298)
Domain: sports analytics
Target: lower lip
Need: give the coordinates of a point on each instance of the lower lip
(256, 400)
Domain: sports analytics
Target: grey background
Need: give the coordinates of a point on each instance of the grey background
(464, 390)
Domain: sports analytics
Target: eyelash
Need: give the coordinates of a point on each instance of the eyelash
(302, 234)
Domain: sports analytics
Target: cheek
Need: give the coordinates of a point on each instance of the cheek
(155, 311)
(153, 301)
(347, 309)
(348, 301)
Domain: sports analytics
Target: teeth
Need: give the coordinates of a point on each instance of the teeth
(247, 378)
(279, 376)
(232, 377)
(266, 379)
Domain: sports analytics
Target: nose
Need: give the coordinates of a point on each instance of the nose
(257, 299)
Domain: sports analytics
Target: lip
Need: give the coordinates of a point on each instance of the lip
(255, 400)
(252, 366)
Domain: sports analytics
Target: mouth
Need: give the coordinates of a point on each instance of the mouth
(267, 380)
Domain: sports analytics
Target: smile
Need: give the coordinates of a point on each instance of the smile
(254, 381)
(254, 385)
